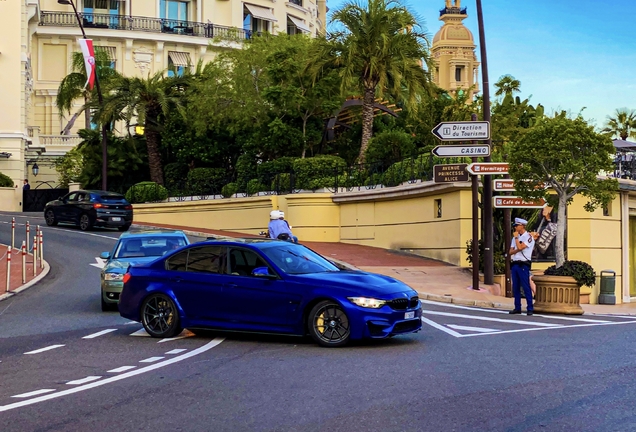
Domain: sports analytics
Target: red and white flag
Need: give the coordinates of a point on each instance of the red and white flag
(89, 60)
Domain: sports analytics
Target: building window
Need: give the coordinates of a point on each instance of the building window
(174, 10)
(111, 52)
(607, 210)
(177, 62)
(459, 71)
(296, 26)
(256, 19)
(297, 2)
(438, 208)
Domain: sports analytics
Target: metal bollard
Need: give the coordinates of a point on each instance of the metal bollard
(8, 269)
(35, 254)
(35, 243)
(24, 262)
(12, 232)
(28, 231)
(41, 249)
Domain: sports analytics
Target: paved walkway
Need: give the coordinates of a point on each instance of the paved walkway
(433, 280)
(16, 270)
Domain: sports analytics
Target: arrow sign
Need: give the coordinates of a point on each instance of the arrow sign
(487, 168)
(509, 185)
(517, 202)
(462, 131)
(474, 150)
(100, 263)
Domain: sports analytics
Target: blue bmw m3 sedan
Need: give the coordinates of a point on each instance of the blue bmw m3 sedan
(269, 286)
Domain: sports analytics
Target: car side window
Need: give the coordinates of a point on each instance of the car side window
(206, 259)
(244, 261)
(178, 262)
(81, 197)
(72, 197)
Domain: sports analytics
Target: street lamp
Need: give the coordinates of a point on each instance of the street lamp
(100, 99)
(35, 169)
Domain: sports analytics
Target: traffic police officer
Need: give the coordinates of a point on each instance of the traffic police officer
(521, 258)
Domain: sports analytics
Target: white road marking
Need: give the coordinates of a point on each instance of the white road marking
(131, 322)
(184, 334)
(549, 328)
(38, 351)
(176, 351)
(99, 263)
(103, 332)
(121, 369)
(151, 360)
(441, 327)
(480, 318)
(140, 332)
(34, 393)
(454, 306)
(84, 380)
(473, 329)
(572, 319)
(102, 382)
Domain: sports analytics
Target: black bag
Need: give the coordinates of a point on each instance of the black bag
(283, 236)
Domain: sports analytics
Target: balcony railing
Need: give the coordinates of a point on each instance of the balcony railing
(145, 24)
(60, 140)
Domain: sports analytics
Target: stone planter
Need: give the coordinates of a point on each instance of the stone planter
(557, 294)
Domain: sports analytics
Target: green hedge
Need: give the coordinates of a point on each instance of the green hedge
(318, 172)
(255, 186)
(229, 189)
(146, 192)
(206, 181)
(5, 181)
(390, 145)
(408, 169)
(268, 170)
(175, 174)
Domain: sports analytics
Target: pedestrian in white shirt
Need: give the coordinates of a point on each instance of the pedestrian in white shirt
(520, 263)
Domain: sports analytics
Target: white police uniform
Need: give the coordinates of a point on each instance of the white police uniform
(526, 253)
(520, 268)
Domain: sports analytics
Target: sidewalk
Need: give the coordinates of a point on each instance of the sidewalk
(16, 284)
(433, 280)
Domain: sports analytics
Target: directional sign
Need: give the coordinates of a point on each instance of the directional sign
(507, 185)
(474, 150)
(450, 173)
(462, 131)
(100, 263)
(488, 168)
(517, 202)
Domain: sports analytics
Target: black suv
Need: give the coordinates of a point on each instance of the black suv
(90, 208)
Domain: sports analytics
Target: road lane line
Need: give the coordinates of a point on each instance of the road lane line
(473, 329)
(176, 351)
(441, 327)
(454, 306)
(38, 351)
(548, 328)
(116, 378)
(121, 369)
(103, 332)
(572, 319)
(480, 318)
(151, 360)
(84, 380)
(141, 332)
(182, 335)
(34, 393)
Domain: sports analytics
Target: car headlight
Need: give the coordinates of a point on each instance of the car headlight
(366, 302)
(113, 276)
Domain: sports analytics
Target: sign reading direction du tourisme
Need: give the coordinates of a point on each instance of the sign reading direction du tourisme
(463, 131)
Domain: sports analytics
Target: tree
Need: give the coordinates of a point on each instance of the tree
(73, 87)
(148, 100)
(567, 155)
(378, 50)
(622, 124)
(507, 85)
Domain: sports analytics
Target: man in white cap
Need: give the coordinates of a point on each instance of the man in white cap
(278, 227)
(521, 261)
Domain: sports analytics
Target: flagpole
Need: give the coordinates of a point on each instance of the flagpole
(100, 99)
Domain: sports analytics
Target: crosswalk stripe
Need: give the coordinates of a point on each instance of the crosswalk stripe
(480, 318)
(38, 351)
(474, 329)
(572, 319)
(103, 332)
(455, 306)
(441, 327)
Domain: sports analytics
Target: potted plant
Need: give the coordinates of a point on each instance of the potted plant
(554, 161)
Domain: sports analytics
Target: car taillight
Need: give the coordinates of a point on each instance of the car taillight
(98, 205)
(126, 278)
(128, 207)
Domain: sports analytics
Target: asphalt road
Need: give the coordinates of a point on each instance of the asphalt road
(67, 366)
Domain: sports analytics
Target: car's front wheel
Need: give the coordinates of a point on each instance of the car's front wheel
(85, 222)
(159, 316)
(49, 217)
(329, 325)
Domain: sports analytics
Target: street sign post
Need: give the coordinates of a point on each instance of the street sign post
(517, 202)
(469, 150)
(463, 131)
(450, 173)
(487, 168)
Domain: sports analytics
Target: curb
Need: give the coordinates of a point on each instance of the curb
(35, 280)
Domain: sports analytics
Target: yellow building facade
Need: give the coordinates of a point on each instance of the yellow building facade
(141, 37)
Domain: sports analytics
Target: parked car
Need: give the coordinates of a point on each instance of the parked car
(89, 208)
(269, 286)
(131, 249)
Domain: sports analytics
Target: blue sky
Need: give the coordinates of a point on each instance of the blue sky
(568, 54)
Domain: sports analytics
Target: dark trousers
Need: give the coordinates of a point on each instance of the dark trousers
(520, 275)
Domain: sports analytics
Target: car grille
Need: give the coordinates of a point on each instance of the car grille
(407, 326)
(403, 304)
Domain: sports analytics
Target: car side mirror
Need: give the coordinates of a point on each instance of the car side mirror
(105, 255)
(262, 272)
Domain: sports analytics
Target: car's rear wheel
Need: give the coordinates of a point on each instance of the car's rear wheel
(50, 218)
(124, 228)
(329, 325)
(85, 222)
(159, 316)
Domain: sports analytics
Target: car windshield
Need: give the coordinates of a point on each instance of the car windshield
(297, 259)
(150, 246)
(113, 198)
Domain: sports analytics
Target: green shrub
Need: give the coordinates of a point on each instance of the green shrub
(390, 145)
(206, 181)
(246, 169)
(5, 181)
(406, 170)
(282, 182)
(255, 186)
(229, 189)
(146, 192)
(499, 257)
(268, 170)
(317, 172)
(175, 175)
(579, 270)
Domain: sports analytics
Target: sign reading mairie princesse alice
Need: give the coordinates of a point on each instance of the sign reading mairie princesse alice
(450, 173)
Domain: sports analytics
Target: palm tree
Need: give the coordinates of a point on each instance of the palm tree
(622, 124)
(507, 85)
(73, 87)
(147, 100)
(380, 49)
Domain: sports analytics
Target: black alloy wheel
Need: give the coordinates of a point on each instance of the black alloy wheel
(159, 316)
(329, 325)
(50, 218)
(85, 222)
